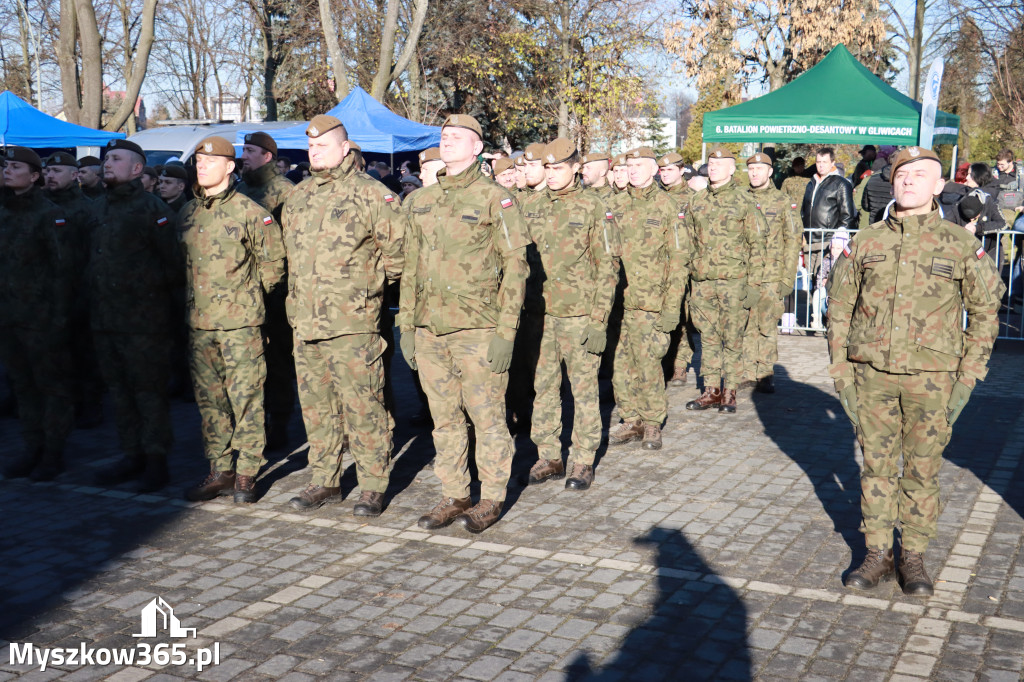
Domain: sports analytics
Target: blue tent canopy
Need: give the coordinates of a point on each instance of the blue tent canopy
(24, 125)
(370, 124)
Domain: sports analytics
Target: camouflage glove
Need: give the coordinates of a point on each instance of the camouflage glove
(669, 320)
(750, 296)
(499, 354)
(595, 339)
(848, 399)
(957, 400)
(407, 342)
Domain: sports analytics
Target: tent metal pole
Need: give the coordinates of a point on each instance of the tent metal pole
(952, 164)
(703, 152)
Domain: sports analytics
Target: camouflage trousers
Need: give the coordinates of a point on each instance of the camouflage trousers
(561, 343)
(721, 320)
(39, 369)
(279, 391)
(341, 390)
(761, 340)
(228, 372)
(639, 380)
(901, 414)
(680, 345)
(136, 368)
(456, 375)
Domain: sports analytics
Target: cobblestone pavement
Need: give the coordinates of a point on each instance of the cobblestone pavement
(719, 557)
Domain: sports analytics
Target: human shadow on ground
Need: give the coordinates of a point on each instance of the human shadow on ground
(697, 630)
(810, 427)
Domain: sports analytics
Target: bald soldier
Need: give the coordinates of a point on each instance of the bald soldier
(263, 184)
(343, 236)
(670, 170)
(656, 259)
(726, 276)
(461, 295)
(782, 256)
(904, 365)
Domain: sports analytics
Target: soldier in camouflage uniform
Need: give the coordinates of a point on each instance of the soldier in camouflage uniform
(578, 244)
(134, 268)
(595, 175)
(505, 173)
(680, 349)
(460, 303)
(795, 186)
(656, 258)
(726, 278)
(171, 187)
(620, 174)
(430, 164)
(37, 279)
(782, 256)
(62, 188)
(263, 184)
(343, 236)
(903, 368)
(233, 254)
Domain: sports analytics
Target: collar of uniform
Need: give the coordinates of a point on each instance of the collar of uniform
(678, 189)
(218, 198)
(24, 200)
(762, 190)
(261, 175)
(727, 187)
(463, 179)
(66, 194)
(571, 188)
(643, 193)
(128, 189)
(343, 169)
(915, 223)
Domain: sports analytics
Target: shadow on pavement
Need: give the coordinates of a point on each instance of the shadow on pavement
(697, 630)
(810, 427)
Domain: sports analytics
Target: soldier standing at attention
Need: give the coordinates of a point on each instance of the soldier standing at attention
(134, 268)
(726, 276)
(430, 163)
(233, 253)
(90, 177)
(343, 236)
(505, 173)
(460, 304)
(620, 174)
(62, 188)
(263, 184)
(171, 187)
(37, 270)
(671, 174)
(578, 243)
(656, 259)
(903, 368)
(595, 175)
(782, 255)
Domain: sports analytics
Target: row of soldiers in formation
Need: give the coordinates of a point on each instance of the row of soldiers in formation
(280, 277)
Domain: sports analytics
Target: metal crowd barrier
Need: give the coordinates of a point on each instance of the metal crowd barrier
(802, 305)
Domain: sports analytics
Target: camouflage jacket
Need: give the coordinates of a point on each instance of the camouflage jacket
(656, 249)
(37, 264)
(467, 257)
(233, 253)
(343, 234)
(794, 187)
(681, 192)
(578, 243)
(135, 263)
(897, 296)
(782, 254)
(728, 235)
(266, 187)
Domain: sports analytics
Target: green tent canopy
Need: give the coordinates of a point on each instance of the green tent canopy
(839, 101)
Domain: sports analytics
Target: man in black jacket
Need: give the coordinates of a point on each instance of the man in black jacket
(828, 204)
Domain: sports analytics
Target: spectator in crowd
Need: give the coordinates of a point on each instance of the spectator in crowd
(979, 176)
(877, 190)
(827, 204)
(1011, 187)
(868, 154)
(961, 172)
(819, 299)
(410, 183)
(284, 164)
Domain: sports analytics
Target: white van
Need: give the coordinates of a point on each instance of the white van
(179, 141)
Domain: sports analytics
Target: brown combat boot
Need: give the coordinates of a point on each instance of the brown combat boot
(245, 489)
(215, 484)
(544, 470)
(913, 578)
(369, 504)
(877, 566)
(652, 437)
(728, 404)
(314, 497)
(626, 432)
(580, 477)
(481, 517)
(711, 397)
(444, 512)
(678, 377)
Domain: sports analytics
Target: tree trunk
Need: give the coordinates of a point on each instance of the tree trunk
(565, 56)
(334, 50)
(387, 68)
(916, 52)
(139, 64)
(415, 91)
(90, 93)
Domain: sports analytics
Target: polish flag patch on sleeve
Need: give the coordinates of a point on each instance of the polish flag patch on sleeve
(162, 220)
(60, 222)
(793, 206)
(846, 251)
(388, 198)
(682, 215)
(980, 253)
(608, 215)
(268, 220)
(506, 202)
